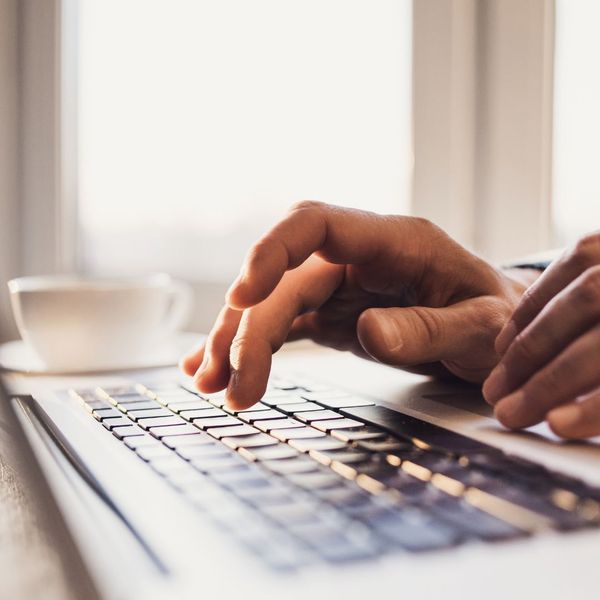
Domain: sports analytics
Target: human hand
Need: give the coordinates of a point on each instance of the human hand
(392, 288)
(550, 368)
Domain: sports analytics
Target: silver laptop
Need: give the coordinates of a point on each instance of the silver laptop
(349, 478)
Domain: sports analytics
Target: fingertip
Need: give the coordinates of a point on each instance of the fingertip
(190, 362)
(374, 329)
(565, 421)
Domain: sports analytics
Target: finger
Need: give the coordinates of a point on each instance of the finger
(213, 373)
(190, 362)
(572, 373)
(559, 274)
(415, 335)
(265, 327)
(577, 420)
(567, 316)
(339, 235)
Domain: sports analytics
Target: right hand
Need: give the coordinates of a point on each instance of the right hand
(392, 288)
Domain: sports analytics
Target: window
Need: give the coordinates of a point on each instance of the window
(576, 121)
(200, 122)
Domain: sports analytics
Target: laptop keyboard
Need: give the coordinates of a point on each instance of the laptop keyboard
(312, 473)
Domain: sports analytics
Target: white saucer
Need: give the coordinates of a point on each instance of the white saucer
(17, 356)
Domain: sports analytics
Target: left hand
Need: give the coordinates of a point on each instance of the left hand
(550, 368)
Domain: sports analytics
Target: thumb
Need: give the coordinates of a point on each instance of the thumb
(418, 334)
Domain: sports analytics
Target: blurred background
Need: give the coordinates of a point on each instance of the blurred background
(150, 135)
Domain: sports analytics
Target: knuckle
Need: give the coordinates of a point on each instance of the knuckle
(586, 251)
(587, 290)
(524, 350)
(430, 324)
(548, 382)
(307, 205)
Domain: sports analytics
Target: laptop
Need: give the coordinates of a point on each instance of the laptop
(349, 478)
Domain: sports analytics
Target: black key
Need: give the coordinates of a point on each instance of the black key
(205, 413)
(160, 422)
(407, 427)
(127, 431)
(106, 413)
(148, 414)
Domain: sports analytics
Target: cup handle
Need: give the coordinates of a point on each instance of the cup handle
(181, 296)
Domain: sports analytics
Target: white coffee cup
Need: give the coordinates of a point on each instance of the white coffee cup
(78, 323)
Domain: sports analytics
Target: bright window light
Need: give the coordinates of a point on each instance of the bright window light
(576, 122)
(201, 121)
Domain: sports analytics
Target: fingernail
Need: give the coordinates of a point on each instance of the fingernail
(511, 411)
(389, 329)
(495, 386)
(566, 417)
(201, 369)
(505, 337)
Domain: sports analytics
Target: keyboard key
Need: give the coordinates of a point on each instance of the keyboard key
(324, 395)
(278, 452)
(384, 445)
(346, 456)
(223, 432)
(348, 402)
(255, 408)
(336, 424)
(283, 400)
(355, 435)
(153, 452)
(146, 404)
(414, 530)
(264, 415)
(205, 413)
(317, 415)
(285, 423)
(216, 422)
(160, 422)
(289, 466)
(214, 464)
(250, 441)
(172, 430)
(138, 441)
(127, 431)
(195, 438)
(113, 422)
(300, 433)
(291, 409)
(321, 443)
(213, 450)
(192, 404)
(314, 481)
(106, 413)
(293, 514)
(148, 414)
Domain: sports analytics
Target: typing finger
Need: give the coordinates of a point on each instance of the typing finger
(564, 318)
(577, 420)
(190, 362)
(572, 373)
(213, 373)
(559, 274)
(340, 235)
(265, 327)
